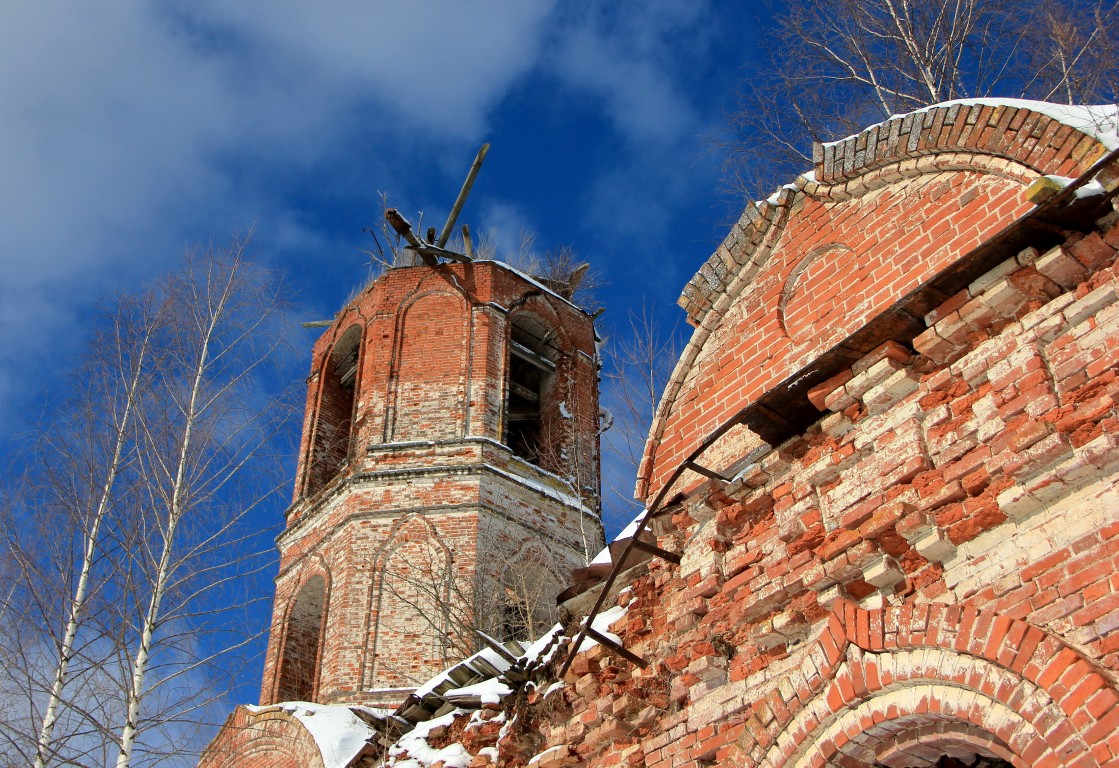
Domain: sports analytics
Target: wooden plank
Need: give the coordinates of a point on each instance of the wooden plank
(628, 655)
(526, 354)
(653, 549)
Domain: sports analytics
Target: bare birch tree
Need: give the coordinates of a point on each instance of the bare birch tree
(638, 365)
(202, 454)
(58, 550)
(506, 593)
(132, 545)
(118, 374)
(836, 66)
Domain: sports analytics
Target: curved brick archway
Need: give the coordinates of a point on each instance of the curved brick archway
(894, 207)
(901, 686)
(414, 579)
(271, 737)
(301, 648)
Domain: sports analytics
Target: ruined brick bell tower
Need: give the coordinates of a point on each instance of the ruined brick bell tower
(448, 481)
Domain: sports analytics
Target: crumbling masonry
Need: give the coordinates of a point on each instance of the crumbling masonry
(902, 544)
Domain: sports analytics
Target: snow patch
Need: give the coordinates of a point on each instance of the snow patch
(1092, 189)
(421, 753)
(601, 624)
(489, 691)
(338, 733)
(603, 557)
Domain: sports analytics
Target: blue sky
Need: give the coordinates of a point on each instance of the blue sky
(130, 131)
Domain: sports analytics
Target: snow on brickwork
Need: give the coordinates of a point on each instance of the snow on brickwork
(883, 212)
(296, 734)
(929, 569)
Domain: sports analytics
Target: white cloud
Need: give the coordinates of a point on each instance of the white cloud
(440, 65)
(126, 128)
(631, 57)
(129, 130)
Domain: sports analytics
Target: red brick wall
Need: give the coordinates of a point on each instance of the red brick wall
(931, 568)
(424, 480)
(821, 259)
(430, 369)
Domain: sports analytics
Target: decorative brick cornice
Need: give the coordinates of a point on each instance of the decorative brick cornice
(1008, 137)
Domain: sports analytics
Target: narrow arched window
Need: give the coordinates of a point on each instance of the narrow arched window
(334, 422)
(531, 375)
(299, 665)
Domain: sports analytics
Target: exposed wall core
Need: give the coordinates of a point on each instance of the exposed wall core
(918, 567)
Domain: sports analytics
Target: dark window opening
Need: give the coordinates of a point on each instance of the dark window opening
(965, 761)
(334, 424)
(531, 369)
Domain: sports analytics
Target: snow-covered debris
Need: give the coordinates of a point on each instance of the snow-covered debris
(487, 692)
(488, 655)
(544, 648)
(420, 753)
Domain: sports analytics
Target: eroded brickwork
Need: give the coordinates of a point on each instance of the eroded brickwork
(414, 527)
(907, 374)
(925, 566)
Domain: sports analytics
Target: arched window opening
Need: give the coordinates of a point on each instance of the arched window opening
(420, 611)
(300, 663)
(334, 423)
(962, 760)
(532, 368)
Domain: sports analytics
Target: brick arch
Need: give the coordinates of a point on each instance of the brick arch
(262, 736)
(1013, 129)
(334, 408)
(299, 657)
(538, 304)
(430, 368)
(947, 676)
(413, 569)
(909, 210)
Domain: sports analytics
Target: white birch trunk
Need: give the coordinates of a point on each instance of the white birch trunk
(175, 511)
(89, 553)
